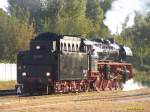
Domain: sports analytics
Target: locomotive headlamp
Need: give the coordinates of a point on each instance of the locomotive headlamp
(85, 75)
(24, 74)
(85, 72)
(48, 74)
(38, 47)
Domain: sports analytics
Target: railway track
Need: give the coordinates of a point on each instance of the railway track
(12, 92)
(141, 95)
(118, 98)
(7, 92)
(52, 101)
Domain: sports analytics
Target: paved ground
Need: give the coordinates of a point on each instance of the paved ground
(104, 101)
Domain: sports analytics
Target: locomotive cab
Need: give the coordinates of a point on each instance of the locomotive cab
(36, 67)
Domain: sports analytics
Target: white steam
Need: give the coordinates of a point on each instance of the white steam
(132, 85)
(4, 5)
(124, 11)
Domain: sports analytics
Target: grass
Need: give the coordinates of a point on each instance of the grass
(4, 85)
(75, 103)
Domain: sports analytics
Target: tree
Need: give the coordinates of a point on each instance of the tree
(138, 35)
(52, 9)
(31, 8)
(105, 5)
(72, 19)
(95, 14)
(83, 17)
(14, 36)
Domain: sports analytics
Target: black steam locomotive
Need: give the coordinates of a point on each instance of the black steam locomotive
(60, 64)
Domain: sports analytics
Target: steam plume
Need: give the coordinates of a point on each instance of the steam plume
(124, 11)
(132, 85)
(4, 4)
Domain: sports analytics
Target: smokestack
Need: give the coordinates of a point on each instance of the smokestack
(124, 12)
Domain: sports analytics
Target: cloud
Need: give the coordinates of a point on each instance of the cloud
(124, 11)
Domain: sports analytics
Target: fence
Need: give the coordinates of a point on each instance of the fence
(8, 72)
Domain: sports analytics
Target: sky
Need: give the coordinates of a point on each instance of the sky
(3, 4)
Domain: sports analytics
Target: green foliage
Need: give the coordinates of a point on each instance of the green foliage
(72, 20)
(28, 11)
(106, 4)
(46, 24)
(14, 36)
(139, 39)
(94, 12)
(142, 75)
(82, 17)
(52, 9)
(33, 6)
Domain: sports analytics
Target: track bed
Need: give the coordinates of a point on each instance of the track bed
(108, 101)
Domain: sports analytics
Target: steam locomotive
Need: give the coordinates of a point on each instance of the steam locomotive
(62, 64)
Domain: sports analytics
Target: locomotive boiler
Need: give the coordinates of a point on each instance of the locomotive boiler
(62, 64)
